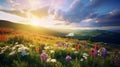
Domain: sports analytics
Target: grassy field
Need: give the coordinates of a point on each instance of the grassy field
(21, 48)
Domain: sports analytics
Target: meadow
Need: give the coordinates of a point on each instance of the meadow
(20, 48)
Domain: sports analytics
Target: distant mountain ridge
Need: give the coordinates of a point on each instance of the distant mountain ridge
(105, 36)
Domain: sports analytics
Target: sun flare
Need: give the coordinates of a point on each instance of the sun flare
(35, 22)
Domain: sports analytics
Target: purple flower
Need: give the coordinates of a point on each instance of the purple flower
(104, 52)
(59, 44)
(65, 44)
(68, 58)
(44, 56)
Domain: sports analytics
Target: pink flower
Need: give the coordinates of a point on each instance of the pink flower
(66, 44)
(59, 44)
(96, 46)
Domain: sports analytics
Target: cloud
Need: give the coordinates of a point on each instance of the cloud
(92, 13)
(110, 19)
(1, 6)
(10, 17)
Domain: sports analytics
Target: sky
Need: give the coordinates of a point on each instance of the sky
(104, 14)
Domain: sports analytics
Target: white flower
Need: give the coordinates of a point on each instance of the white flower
(12, 53)
(53, 60)
(85, 57)
(3, 49)
(49, 60)
(99, 54)
(22, 48)
(32, 46)
(85, 54)
(1, 52)
(76, 52)
(16, 43)
(73, 49)
(13, 48)
(46, 47)
(23, 53)
(52, 51)
(81, 59)
(98, 51)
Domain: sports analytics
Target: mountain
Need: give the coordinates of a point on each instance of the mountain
(99, 35)
(96, 36)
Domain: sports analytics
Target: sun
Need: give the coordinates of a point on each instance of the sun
(35, 22)
(42, 22)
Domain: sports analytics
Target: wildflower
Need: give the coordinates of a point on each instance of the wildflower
(12, 53)
(53, 60)
(24, 53)
(73, 49)
(13, 48)
(52, 51)
(104, 52)
(85, 54)
(68, 58)
(21, 48)
(3, 37)
(44, 56)
(95, 52)
(96, 46)
(37, 50)
(3, 49)
(66, 44)
(91, 52)
(76, 52)
(59, 44)
(77, 47)
(81, 59)
(46, 47)
(16, 42)
(49, 60)
(85, 57)
(32, 46)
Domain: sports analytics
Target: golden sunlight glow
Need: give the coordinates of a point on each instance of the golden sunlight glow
(35, 22)
(47, 21)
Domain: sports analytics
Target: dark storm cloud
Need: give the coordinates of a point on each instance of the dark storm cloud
(110, 19)
(98, 10)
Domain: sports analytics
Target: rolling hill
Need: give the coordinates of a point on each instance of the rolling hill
(91, 35)
(17, 26)
(97, 36)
